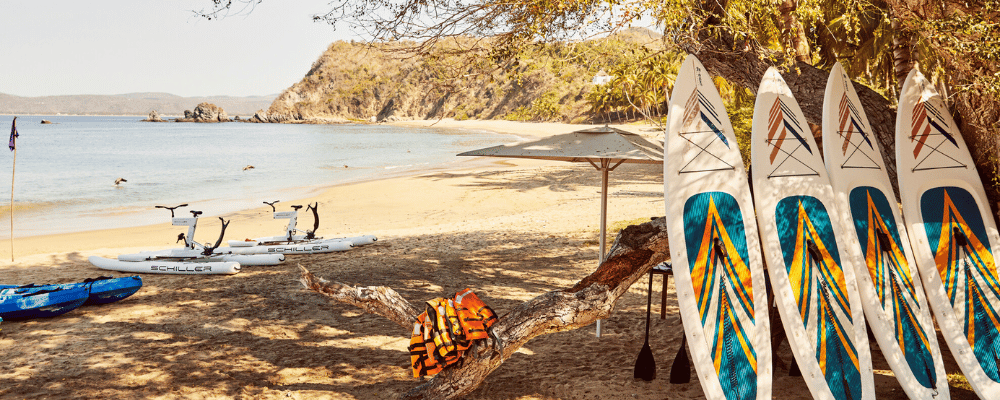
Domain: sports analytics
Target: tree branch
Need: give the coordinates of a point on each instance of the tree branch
(635, 251)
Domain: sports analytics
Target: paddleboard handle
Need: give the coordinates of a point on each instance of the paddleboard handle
(960, 238)
(813, 252)
(883, 240)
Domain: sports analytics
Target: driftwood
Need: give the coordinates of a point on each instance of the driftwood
(635, 251)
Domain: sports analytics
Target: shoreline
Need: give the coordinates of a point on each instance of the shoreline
(257, 221)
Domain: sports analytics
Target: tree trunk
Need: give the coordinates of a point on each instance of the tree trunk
(635, 251)
(902, 53)
(793, 32)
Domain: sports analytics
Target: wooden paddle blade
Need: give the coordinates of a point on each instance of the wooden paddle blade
(645, 366)
(680, 372)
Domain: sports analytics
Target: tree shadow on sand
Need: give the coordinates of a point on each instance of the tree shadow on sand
(259, 334)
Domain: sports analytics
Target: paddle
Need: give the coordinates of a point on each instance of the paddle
(680, 372)
(645, 366)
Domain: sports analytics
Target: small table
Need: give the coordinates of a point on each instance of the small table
(666, 269)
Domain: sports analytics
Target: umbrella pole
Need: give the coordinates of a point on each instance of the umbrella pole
(604, 218)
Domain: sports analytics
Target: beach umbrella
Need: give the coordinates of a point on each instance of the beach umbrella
(603, 147)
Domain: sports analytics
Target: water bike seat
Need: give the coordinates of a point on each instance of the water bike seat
(296, 208)
(195, 213)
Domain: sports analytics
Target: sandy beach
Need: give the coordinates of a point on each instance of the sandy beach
(508, 229)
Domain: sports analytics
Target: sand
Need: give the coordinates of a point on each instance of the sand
(509, 229)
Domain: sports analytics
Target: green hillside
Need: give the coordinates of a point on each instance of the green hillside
(552, 82)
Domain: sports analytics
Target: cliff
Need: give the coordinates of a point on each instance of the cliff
(355, 81)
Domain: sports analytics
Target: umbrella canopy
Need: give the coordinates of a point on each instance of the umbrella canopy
(588, 145)
(603, 147)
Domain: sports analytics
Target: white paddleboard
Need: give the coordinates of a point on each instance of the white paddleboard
(952, 231)
(166, 267)
(891, 292)
(814, 286)
(714, 243)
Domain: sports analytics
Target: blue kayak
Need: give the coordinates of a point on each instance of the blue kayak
(100, 290)
(41, 303)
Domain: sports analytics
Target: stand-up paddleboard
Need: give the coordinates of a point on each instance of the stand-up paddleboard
(892, 295)
(814, 286)
(714, 243)
(952, 231)
(167, 267)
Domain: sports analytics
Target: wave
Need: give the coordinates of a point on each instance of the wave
(33, 206)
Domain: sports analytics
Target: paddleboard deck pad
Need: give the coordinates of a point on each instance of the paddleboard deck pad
(953, 233)
(714, 243)
(892, 295)
(814, 287)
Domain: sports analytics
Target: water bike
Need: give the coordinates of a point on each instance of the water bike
(193, 258)
(296, 241)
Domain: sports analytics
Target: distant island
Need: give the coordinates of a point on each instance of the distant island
(138, 104)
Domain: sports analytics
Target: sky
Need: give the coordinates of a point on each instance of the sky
(68, 47)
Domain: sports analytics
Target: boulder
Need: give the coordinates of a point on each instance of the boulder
(205, 112)
(154, 117)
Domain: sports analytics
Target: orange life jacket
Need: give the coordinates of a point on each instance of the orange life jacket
(446, 329)
(420, 359)
(476, 317)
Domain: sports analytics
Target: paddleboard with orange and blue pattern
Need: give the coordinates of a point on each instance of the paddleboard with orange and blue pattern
(802, 229)
(714, 243)
(889, 282)
(953, 236)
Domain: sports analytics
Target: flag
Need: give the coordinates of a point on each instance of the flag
(13, 134)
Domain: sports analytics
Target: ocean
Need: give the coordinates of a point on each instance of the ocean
(65, 172)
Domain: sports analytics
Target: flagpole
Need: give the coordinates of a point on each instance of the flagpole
(13, 147)
(12, 206)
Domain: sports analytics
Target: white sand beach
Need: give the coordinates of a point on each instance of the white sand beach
(510, 229)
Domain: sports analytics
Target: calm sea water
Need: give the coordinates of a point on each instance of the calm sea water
(65, 172)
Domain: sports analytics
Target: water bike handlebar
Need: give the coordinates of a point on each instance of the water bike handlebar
(314, 207)
(208, 250)
(272, 205)
(172, 208)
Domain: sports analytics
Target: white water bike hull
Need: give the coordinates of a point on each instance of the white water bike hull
(167, 267)
(195, 256)
(313, 247)
(355, 241)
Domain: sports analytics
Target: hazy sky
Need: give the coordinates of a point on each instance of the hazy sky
(125, 46)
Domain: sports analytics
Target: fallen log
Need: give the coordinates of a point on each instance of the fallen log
(635, 251)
